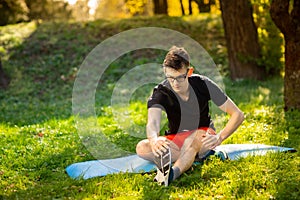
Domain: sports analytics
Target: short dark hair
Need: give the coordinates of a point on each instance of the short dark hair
(177, 58)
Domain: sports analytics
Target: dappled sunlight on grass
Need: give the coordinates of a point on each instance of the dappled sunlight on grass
(261, 112)
(10, 36)
(263, 96)
(263, 124)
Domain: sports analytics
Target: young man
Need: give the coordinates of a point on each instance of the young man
(184, 97)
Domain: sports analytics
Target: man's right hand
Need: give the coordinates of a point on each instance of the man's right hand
(159, 145)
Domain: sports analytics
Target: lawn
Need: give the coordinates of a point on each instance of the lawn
(39, 137)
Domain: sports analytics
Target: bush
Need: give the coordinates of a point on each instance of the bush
(270, 39)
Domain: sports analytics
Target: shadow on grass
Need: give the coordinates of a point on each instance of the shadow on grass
(288, 171)
(293, 128)
(151, 190)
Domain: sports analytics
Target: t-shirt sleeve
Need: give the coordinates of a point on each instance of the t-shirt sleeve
(217, 95)
(156, 100)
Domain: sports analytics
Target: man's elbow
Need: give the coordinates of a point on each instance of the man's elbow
(240, 116)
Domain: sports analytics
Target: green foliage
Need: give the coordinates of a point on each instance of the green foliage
(12, 11)
(111, 9)
(136, 8)
(39, 137)
(270, 38)
(80, 10)
(47, 9)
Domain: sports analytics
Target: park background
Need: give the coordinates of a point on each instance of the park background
(42, 45)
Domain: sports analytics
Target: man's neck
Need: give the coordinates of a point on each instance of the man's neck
(184, 95)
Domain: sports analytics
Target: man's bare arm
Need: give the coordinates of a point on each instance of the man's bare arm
(235, 120)
(158, 145)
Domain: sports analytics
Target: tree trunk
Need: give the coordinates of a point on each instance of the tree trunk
(289, 25)
(182, 7)
(242, 40)
(160, 7)
(190, 7)
(4, 80)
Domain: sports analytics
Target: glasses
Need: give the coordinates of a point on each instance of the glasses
(179, 79)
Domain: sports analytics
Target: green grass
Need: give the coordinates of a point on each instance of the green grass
(39, 139)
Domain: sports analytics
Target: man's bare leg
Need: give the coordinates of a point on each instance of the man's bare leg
(184, 157)
(191, 147)
(143, 149)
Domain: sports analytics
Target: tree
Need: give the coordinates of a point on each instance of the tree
(182, 7)
(111, 9)
(270, 38)
(12, 11)
(289, 24)
(137, 7)
(242, 40)
(80, 10)
(204, 5)
(190, 7)
(48, 9)
(160, 7)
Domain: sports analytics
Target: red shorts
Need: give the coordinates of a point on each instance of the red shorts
(179, 138)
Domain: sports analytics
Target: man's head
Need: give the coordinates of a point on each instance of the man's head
(177, 58)
(176, 68)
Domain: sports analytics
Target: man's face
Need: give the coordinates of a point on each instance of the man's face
(177, 79)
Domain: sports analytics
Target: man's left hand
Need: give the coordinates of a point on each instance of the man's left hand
(210, 141)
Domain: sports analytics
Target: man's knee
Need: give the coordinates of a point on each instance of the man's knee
(140, 147)
(144, 151)
(195, 140)
(143, 148)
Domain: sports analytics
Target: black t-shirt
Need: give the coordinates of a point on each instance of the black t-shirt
(193, 113)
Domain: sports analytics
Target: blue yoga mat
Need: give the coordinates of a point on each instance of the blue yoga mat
(135, 164)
